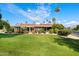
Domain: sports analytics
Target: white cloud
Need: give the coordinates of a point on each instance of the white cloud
(38, 14)
(71, 23)
(29, 10)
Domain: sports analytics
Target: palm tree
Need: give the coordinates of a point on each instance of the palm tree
(34, 22)
(49, 21)
(54, 20)
(0, 16)
(57, 9)
(26, 22)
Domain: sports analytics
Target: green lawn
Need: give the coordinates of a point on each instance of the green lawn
(37, 45)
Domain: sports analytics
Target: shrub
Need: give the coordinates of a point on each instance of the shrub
(57, 27)
(56, 30)
(51, 31)
(64, 32)
(5, 24)
(41, 31)
(1, 27)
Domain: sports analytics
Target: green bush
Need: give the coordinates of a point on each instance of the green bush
(51, 31)
(5, 24)
(1, 27)
(64, 32)
(41, 31)
(57, 27)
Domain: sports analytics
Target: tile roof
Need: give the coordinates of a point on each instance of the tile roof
(34, 25)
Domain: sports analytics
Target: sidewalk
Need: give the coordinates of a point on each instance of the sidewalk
(73, 37)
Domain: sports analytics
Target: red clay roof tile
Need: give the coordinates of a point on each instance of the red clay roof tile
(34, 25)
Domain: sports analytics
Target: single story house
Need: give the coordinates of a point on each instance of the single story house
(32, 27)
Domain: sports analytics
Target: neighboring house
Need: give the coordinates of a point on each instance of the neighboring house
(32, 27)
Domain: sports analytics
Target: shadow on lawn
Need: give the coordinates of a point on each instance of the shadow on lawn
(8, 35)
(71, 43)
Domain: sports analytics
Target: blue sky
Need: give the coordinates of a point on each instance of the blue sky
(39, 12)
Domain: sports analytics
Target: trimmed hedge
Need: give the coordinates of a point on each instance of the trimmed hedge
(64, 32)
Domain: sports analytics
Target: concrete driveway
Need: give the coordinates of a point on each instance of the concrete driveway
(74, 35)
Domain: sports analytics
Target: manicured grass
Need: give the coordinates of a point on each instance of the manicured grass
(37, 45)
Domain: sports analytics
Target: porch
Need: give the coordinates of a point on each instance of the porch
(32, 28)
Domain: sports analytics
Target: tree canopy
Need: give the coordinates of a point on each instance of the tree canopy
(57, 9)
(58, 26)
(76, 28)
(5, 24)
(0, 16)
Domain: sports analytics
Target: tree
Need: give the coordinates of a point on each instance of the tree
(1, 25)
(54, 20)
(57, 27)
(64, 32)
(26, 22)
(0, 16)
(49, 21)
(57, 9)
(34, 22)
(44, 22)
(76, 28)
(4, 24)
